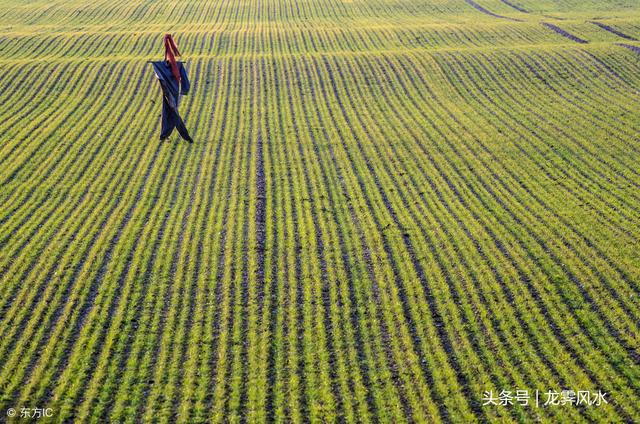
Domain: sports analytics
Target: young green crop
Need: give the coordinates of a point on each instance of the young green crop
(390, 208)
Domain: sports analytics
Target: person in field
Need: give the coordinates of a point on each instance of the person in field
(174, 82)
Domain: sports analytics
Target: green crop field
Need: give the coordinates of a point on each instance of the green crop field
(393, 211)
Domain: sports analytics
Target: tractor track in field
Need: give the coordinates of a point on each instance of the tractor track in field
(274, 303)
(515, 6)
(220, 262)
(255, 150)
(222, 271)
(564, 33)
(634, 49)
(490, 13)
(613, 31)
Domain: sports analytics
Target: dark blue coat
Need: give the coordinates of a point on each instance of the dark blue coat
(171, 91)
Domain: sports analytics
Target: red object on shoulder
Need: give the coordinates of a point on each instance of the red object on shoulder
(170, 53)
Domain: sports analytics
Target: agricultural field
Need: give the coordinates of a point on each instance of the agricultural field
(393, 211)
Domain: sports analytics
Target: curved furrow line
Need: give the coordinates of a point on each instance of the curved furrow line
(436, 317)
(554, 327)
(606, 219)
(26, 104)
(43, 337)
(61, 119)
(38, 292)
(498, 244)
(364, 369)
(606, 71)
(48, 214)
(536, 67)
(625, 65)
(97, 383)
(521, 123)
(458, 252)
(567, 224)
(569, 67)
(55, 315)
(451, 288)
(526, 206)
(18, 140)
(634, 49)
(39, 209)
(74, 334)
(478, 141)
(522, 105)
